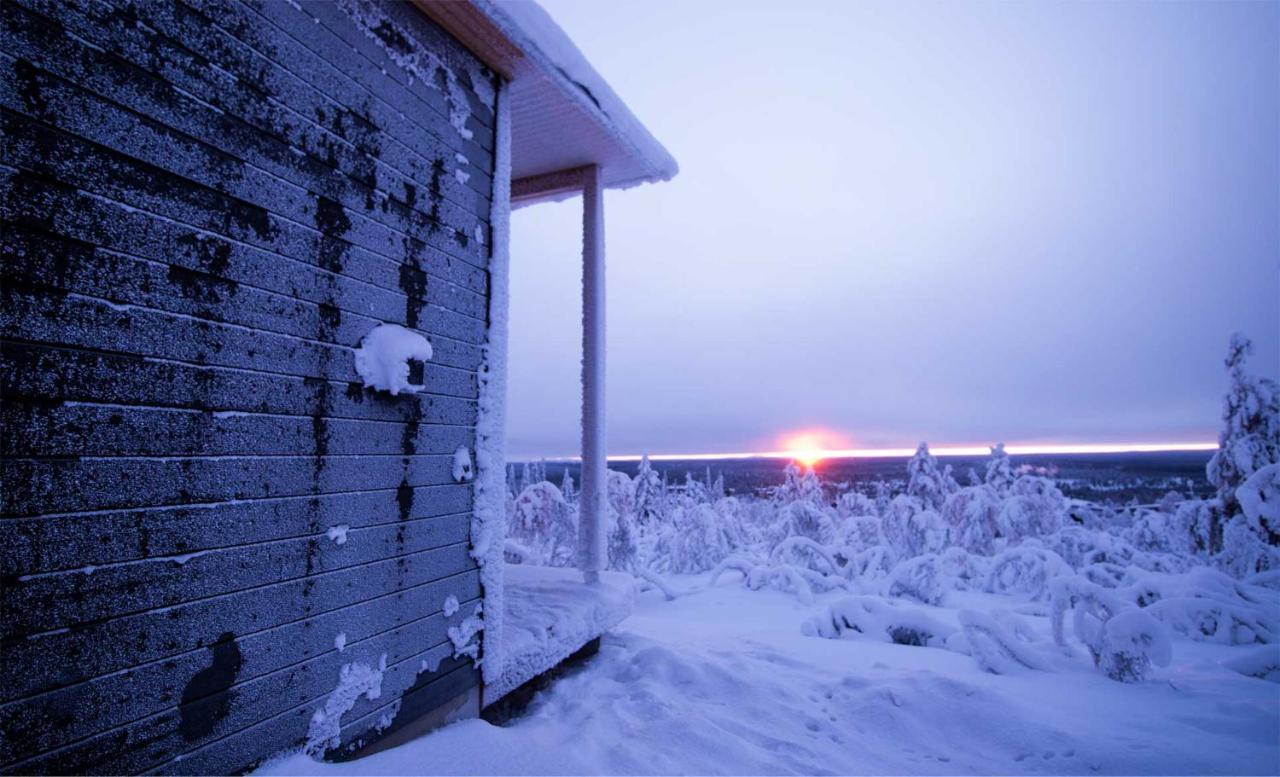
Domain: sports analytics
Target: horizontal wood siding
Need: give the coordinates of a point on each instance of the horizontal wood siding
(204, 515)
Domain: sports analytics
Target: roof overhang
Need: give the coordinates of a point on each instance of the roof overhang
(564, 116)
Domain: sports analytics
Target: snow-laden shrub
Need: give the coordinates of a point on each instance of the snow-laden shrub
(1089, 515)
(648, 494)
(783, 577)
(1269, 579)
(694, 540)
(1001, 642)
(1155, 531)
(1080, 547)
(1243, 551)
(963, 571)
(620, 493)
(1025, 570)
(861, 532)
(545, 525)
(873, 563)
(971, 516)
(1208, 620)
(924, 481)
(874, 619)
(917, 578)
(1208, 606)
(799, 484)
(1035, 507)
(1107, 574)
(1250, 436)
(999, 470)
(1262, 663)
(805, 519)
(1123, 641)
(1259, 498)
(852, 504)
(804, 552)
(912, 529)
(1133, 642)
(1196, 519)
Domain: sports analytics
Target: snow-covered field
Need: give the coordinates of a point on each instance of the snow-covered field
(722, 681)
(817, 627)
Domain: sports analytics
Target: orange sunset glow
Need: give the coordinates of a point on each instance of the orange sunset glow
(813, 445)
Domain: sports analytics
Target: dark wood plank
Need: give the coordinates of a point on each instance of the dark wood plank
(49, 375)
(149, 75)
(44, 316)
(52, 262)
(97, 648)
(150, 741)
(67, 430)
(54, 600)
(247, 748)
(77, 711)
(37, 486)
(75, 540)
(388, 293)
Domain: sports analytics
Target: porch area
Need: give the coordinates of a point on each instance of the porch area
(549, 614)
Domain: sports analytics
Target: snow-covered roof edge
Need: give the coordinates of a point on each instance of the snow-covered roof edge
(544, 44)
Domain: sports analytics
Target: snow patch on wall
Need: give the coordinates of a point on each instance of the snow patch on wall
(340, 641)
(338, 533)
(450, 605)
(382, 360)
(463, 636)
(463, 176)
(354, 681)
(462, 468)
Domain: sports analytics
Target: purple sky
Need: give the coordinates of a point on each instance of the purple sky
(954, 222)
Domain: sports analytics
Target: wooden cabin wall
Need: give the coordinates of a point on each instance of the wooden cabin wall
(207, 204)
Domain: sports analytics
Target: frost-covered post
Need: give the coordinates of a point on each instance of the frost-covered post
(591, 502)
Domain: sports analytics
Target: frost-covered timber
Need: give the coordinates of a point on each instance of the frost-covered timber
(243, 318)
(591, 538)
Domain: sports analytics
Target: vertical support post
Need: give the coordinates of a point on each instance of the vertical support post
(592, 503)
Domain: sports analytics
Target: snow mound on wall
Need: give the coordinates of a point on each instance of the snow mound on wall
(382, 360)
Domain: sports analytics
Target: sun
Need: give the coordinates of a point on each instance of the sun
(810, 447)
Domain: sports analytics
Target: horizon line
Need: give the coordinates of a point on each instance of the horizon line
(1030, 449)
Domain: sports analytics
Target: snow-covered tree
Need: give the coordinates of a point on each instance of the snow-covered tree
(1250, 436)
(567, 489)
(924, 480)
(912, 529)
(999, 469)
(1259, 498)
(971, 514)
(649, 489)
(1034, 507)
(800, 484)
(544, 523)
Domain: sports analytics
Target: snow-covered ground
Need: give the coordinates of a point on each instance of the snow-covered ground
(722, 681)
